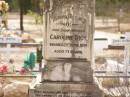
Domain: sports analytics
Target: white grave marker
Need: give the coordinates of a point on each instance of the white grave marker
(9, 41)
(124, 42)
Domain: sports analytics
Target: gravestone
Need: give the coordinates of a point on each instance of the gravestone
(8, 41)
(126, 43)
(68, 46)
(68, 40)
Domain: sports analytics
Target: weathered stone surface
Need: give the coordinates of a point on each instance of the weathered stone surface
(68, 40)
(68, 50)
(16, 89)
(1, 90)
(54, 89)
(69, 31)
(69, 71)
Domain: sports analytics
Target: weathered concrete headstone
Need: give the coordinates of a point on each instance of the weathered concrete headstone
(68, 45)
(68, 50)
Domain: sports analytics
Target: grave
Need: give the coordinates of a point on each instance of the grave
(68, 47)
(126, 43)
(8, 41)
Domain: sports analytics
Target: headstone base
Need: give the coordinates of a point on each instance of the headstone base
(65, 89)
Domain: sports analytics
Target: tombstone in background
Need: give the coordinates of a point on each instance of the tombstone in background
(126, 43)
(68, 50)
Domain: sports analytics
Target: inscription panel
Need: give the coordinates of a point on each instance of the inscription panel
(68, 30)
(65, 90)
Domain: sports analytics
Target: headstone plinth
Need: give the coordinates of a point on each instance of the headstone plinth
(63, 89)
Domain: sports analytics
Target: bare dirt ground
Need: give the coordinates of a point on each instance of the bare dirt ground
(112, 25)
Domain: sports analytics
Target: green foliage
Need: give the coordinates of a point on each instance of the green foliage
(111, 7)
(39, 55)
(31, 13)
(26, 5)
(38, 18)
(33, 5)
(103, 7)
(14, 5)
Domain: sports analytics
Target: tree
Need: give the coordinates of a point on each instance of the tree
(13, 5)
(27, 5)
(21, 15)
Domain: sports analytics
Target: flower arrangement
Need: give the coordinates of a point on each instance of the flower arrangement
(3, 7)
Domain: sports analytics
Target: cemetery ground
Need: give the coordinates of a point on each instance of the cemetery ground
(10, 86)
(34, 30)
